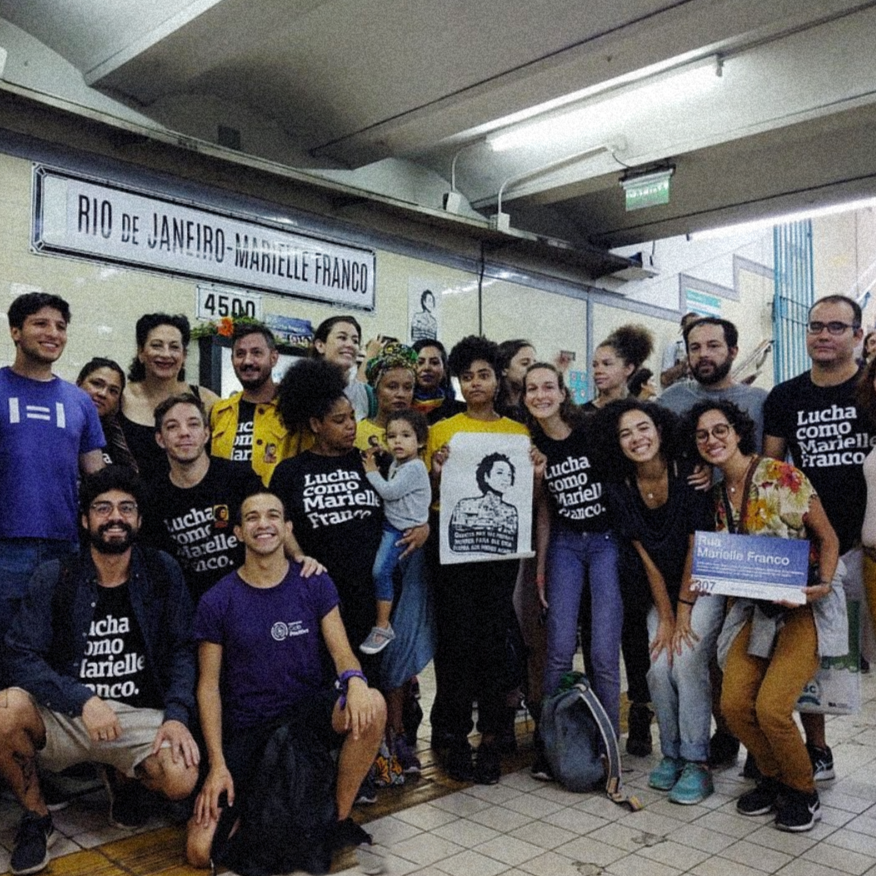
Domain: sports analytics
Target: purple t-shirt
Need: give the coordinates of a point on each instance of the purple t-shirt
(44, 427)
(270, 642)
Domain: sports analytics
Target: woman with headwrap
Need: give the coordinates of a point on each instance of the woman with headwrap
(392, 377)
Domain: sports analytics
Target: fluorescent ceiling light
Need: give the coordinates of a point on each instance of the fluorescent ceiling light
(665, 88)
(782, 219)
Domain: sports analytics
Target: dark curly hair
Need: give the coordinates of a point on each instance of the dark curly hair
(605, 423)
(633, 344)
(309, 388)
(742, 424)
(638, 380)
(485, 466)
(470, 349)
(146, 324)
(110, 477)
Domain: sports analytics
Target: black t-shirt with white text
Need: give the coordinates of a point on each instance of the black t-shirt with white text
(241, 450)
(196, 524)
(114, 665)
(828, 437)
(574, 480)
(337, 515)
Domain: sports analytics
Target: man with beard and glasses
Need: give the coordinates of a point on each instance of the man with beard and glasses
(712, 346)
(247, 427)
(102, 669)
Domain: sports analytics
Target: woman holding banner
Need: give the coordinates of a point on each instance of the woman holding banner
(769, 650)
(473, 600)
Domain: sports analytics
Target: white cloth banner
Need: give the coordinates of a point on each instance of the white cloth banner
(486, 498)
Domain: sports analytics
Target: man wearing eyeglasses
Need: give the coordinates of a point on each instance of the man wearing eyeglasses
(814, 418)
(102, 667)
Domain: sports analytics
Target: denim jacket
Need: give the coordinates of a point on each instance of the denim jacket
(46, 644)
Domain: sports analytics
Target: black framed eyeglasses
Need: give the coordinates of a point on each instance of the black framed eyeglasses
(834, 328)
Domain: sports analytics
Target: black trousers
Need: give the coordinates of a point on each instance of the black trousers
(473, 607)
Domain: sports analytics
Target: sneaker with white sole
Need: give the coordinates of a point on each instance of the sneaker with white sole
(761, 799)
(798, 811)
(370, 857)
(30, 853)
(822, 763)
(541, 769)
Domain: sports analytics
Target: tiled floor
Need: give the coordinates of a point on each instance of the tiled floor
(522, 826)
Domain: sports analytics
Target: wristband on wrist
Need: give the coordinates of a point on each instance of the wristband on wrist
(687, 601)
(344, 680)
(539, 579)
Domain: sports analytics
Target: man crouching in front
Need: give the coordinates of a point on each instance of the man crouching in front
(260, 630)
(101, 667)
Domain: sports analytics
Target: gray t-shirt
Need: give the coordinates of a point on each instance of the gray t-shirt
(682, 396)
(406, 493)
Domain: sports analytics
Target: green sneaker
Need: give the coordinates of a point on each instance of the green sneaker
(693, 785)
(664, 776)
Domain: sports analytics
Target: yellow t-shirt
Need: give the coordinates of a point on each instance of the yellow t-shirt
(441, 432)
(366, 431)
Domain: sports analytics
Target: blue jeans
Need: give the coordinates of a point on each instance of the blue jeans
(385, 562)
(19, 557)
(574, 560)
(682, 693)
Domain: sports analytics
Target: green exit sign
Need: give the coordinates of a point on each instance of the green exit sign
(647, 191)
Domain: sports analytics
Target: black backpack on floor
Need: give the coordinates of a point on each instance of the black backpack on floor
(288, 811)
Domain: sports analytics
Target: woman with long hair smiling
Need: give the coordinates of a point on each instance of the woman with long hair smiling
(655, 512)
(576, 547)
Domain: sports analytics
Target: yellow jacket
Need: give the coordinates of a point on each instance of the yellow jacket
(271, 443)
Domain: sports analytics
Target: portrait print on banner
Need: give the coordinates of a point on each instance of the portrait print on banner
(486, 498)
(423, 309)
